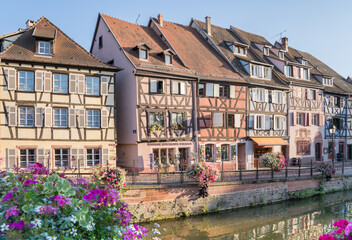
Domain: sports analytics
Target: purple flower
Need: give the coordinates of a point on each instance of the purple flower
(47, 210)
(7, 197)
(61, 200)
(17, 225)
(12, 211)
(28, 182)
(348, 229)
(88, 197)
(15, 189)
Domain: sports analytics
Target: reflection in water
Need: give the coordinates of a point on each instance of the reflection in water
(300, 219)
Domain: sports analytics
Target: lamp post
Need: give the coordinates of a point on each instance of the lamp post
(332, 131)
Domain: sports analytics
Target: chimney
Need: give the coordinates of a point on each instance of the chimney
(284, 42)
(208, 25)
(29, 23)
(161, 19)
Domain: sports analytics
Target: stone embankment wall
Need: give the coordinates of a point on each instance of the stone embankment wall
(157, 202)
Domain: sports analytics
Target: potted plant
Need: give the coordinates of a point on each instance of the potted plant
(156, 127)
(177, 126)
(326, 169)
(276, 161)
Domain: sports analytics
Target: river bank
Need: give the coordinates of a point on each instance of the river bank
(156, 202)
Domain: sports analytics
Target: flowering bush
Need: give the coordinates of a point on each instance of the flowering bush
(276, 161)
(325, 168)
(204, 174)
(37, 204)
(343, 231)
(115, 177)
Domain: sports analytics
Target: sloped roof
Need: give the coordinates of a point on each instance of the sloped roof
(66, 51)
(196, 53)
(220, 36)
(130, 35)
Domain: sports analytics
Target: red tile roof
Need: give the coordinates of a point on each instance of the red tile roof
(130, 35)
(196, 53)
(66, 51)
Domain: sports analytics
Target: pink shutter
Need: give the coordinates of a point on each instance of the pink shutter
(321, 119)
(308, 93)
(317, 94)
(308, 119)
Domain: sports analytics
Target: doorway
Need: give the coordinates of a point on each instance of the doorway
(318, 152)
(183, 158)
(241, 153)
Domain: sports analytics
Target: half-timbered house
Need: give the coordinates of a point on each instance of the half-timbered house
(267, 94)
(154, 92)
(220, 98)
(57, 101)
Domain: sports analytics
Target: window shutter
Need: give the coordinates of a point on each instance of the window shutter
(232, 91)
(39, 79)
(80, 157)
(48, 117)
(342, 103)
(74, 158)
(183, 88)
(104, 85)
(72, 83)
(153, 86)
(174, 87)
(266, 96)
(72, 117)
(251, 121)
(321, 119)
(308, 119)
(284, 124)
(218, 120)
(350, 124)
(308, 94)
(38, 117)
(331, 101)
(317, 94)
(47, 81)
(268, 122)
(41, 155)
(273, 97)
(293, 118)
(12, 116)
(81, 118)
(81, 86)
(104, 118)
(11, 157)
(216, 90)
(105, 156)
(283, 98)
(254, 94)
(11, 78)
(237, 122)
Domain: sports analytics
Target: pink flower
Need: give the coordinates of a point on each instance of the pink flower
(327, 237)
(7, 197)
(348, 229)
(342, 223)
(29, 182)
(12, 211)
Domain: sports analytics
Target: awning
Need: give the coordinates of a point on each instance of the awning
(269, 141)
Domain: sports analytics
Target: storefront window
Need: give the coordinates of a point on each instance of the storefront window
(171, 156)
(225, 152)
(209, 152)
(163, 156)
(156, 156)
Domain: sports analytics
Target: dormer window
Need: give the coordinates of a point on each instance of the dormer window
(143, 51)
(327, 81)
(44, 47)
(143, 54)
(304, 62)
(281, 55)
(266, 51)
(259, 71)
(168, 56)
(240, 50)
(168, 59)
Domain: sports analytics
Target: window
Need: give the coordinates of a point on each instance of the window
(279, 123)
(281, 55)
(26, 81)
(156, 86)
(27, 156)
(164, 156)
(288, 71)
(92, 85)
(337, 101)
(201, 89)
(327, 81)
(259, 122)
(178, 88)
(93, 157)
(101, 42)
(315, 119)
(313, 95)
(277, 97)
(62, 157)
(305, 74)
(44, 47)
(209, 152)
(260, 95)
(143, 54)
(177, 120)
(304, 62)
(210, 90)
(225, 152)
(230, 120)
(300, 119)
(60, 83)
(303, 147)
(338, 123)
(267, 72)
(60, 117)
(240, 50)
(26, 116)
(93, 118)
(218, 120)
(256, 70)
(156, 119)
(168, 59)
(266, 51)
(224, 91)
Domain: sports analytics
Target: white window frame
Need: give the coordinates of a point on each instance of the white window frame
(60, 78)
(327, 81)
(27, 155)
(62, 156)
(25, 80)
(26, 117)
(301, 122)
(153, 118)
(228, 152)
(94, 161)
(60, 122)
(259, 118)
(315, 119)
(305, 74)
(278, 123)
(177, 116)
(266, 51)
(281, 55)
(146, 54)
(92, 85)
(45, 49)
(287, 72)
(168, 59)
(93, 118)
(278, 97)
(262, 91)
(303, 62)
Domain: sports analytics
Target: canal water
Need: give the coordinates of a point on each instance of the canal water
(296, 220)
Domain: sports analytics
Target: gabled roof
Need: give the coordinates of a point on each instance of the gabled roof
(196, 53)
(66, 51)
(221, 36)
(129, 35)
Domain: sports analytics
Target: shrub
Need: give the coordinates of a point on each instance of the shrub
(113, 177)
(325, 168)
(276, 161)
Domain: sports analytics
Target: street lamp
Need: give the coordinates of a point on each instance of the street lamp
(332, 131)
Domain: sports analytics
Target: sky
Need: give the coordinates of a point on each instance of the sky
(320, 27)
